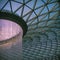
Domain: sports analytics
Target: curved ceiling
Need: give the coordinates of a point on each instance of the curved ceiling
(42, 17)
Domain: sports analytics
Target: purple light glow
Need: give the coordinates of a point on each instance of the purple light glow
(9, 29)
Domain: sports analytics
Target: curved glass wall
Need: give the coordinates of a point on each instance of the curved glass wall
(42, 40)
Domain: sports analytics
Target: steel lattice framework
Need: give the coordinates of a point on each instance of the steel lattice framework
(42, 40)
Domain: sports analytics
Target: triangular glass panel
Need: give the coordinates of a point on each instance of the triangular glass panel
(30, 4)
(45, 10)
(7, 7)
(33, 16)
(2, 3)
(19, 12)
(15, 6)
(52, 6)
(39, 3)
(38, 10)
(25, 18)
(26, 10)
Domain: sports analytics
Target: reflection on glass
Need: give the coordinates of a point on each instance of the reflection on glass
(8, 29)
(11, 32)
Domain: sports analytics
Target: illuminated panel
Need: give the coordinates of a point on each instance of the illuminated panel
(8, 29)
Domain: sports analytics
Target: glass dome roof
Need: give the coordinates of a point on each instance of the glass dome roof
(42, 40)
